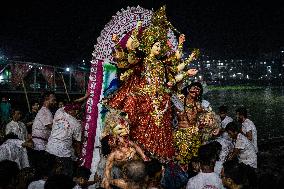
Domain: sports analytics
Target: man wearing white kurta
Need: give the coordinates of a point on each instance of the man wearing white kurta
(225, 119)
(244, 149)
(66, 130)
(248, 127)
(16, 126)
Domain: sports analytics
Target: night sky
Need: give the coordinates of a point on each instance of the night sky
(64, 32)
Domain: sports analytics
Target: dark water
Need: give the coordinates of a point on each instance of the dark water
(265, 107)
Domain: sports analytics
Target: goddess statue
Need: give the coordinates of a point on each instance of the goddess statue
(145, 94)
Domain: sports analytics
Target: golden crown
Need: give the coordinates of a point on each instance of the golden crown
(156, 32)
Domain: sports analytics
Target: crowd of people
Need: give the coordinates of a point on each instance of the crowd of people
(41, 150)
(158, 132)
(43, 146)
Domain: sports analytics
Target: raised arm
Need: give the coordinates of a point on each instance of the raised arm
(82, 98)
(187, 61)
(108, 168)
(181, 40)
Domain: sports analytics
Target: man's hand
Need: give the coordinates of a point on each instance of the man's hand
(193, 56)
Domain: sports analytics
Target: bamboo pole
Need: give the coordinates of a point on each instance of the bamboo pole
(65, 87)
(26, 94)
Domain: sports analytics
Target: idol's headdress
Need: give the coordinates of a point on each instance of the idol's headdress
(156, 32)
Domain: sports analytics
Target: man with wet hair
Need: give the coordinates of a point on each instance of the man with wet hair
(243, 148)
(207, 178)
(134, 176)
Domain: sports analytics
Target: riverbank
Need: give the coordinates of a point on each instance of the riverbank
(239, 87)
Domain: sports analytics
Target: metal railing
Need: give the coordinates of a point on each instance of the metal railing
(35, 81)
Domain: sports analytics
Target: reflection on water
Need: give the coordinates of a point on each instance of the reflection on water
(265, 107)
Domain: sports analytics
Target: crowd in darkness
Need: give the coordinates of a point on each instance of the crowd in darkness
(42, 150)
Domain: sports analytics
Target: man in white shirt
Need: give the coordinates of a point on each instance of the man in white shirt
(244, 149)
(14, 149)
(225, 119)
(66, 133)
(207, 178)
(248, 127)
(41, 129)
(39, 184)
(16, 126)
(43, 123)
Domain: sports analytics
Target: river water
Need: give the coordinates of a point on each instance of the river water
(265, 107)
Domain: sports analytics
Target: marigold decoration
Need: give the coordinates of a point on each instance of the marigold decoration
(187, 142)
(209, 125)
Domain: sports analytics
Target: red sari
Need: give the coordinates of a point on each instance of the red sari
(134, 99)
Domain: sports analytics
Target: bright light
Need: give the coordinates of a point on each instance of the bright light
(247, 76)
(269, 69)
(67, 69)
(234, 75)
(1, 78)
(83, 60)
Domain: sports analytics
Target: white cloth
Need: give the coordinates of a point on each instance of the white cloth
(12, 150)
(39, 184)
(224, 123)
(18, 128)
(65, 128)
(205, 181)
(247, 126)
(39, 129)
(218, 167)
(227, 147)
(77, 187)
(247, 151)
(206, 105)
